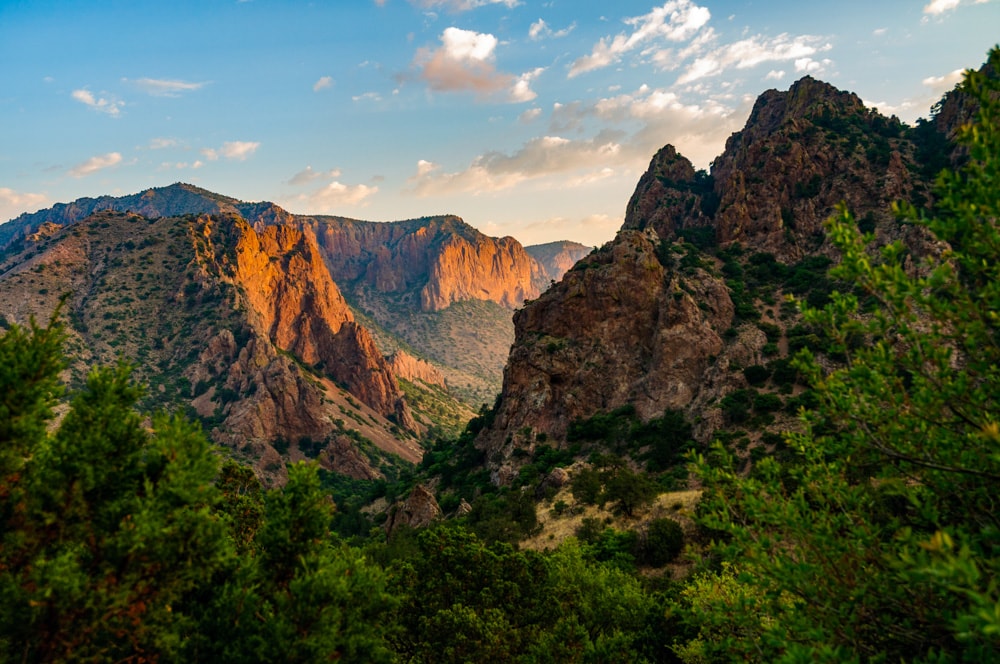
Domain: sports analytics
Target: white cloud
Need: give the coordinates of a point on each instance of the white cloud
(367, 96)
(675, 21)
(323, 83)
(13, 203)
(237, 150)
(335, 195)
(941, 84)
(95, 164)
(941, 6)
(879, 32)
(307, 175)
(521, 90)
(775, 75)
(111, 107)
(530, 115)
(810, 66)
(465, 62)
(539, 157)
(159, 87)
(753, 51)
(462, 5)
(541, 30)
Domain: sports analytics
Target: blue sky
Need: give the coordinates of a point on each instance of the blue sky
(531, 119)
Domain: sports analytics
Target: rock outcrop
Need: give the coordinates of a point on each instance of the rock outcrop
(247, 328)
(412, 369)
(649, 322)
(436, 261)
(419, 510)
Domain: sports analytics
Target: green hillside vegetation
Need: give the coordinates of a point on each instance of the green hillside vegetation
(871, 537)
(467, 341)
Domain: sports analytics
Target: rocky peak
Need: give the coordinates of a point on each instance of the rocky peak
(650, 321)
(427, 263)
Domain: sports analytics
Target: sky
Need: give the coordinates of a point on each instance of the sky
(529, 119)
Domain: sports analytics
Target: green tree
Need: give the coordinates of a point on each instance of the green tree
(296, 595)
(881, 540)
(108, 528)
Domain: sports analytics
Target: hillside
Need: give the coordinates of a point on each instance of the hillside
(685, 310)
(245, 329)
(424, 285)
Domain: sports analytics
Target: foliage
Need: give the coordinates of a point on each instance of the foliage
(119, 537)
(107, 527)
(468, 601)
(880, 540)
(300, 596)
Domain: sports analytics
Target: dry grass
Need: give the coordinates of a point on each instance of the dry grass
(556, 528)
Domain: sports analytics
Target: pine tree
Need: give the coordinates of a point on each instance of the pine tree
(881, 540)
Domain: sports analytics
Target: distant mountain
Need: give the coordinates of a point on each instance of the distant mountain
(684, 310)
(556, 258)
(272, 327)
(433, 286)
(245, 329)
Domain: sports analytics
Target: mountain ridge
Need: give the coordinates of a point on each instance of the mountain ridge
(667, 316)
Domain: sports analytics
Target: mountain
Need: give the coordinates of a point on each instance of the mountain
(556, 258)
(435, 286)
(684, 311)
(244, 328)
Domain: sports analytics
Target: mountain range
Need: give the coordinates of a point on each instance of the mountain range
(244, 314)
(351, 341)
(686, 312)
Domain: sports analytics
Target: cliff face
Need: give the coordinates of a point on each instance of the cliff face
(412, 369)
(247, 329)
(624, 326)
(436, 261)
(556, 258)
(283, 277)
(661, 318)
(425, 283)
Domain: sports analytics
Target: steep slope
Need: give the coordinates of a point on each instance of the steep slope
(246, 329)
(682, 310)
(416, 281)
(556, 258)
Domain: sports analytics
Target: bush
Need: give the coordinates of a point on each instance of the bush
(663, 542)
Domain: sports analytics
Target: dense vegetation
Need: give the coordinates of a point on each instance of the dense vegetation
(874, 536)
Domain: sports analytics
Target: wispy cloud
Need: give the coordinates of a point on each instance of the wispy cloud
(181, 165)
(161, 143)
(465, 63)
(539, 157)
(367, 96)
(111, 107)
(307, 175)
(530, 115)
(754, 51)
(935, 7)
(332, 198)
(160, 87)
(235, 150)
(323, 83)
(460, 5)
(95, 164)
(540, 30)
(13, 203)
(675, 21)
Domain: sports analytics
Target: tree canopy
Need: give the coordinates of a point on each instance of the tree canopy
(880, 540)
